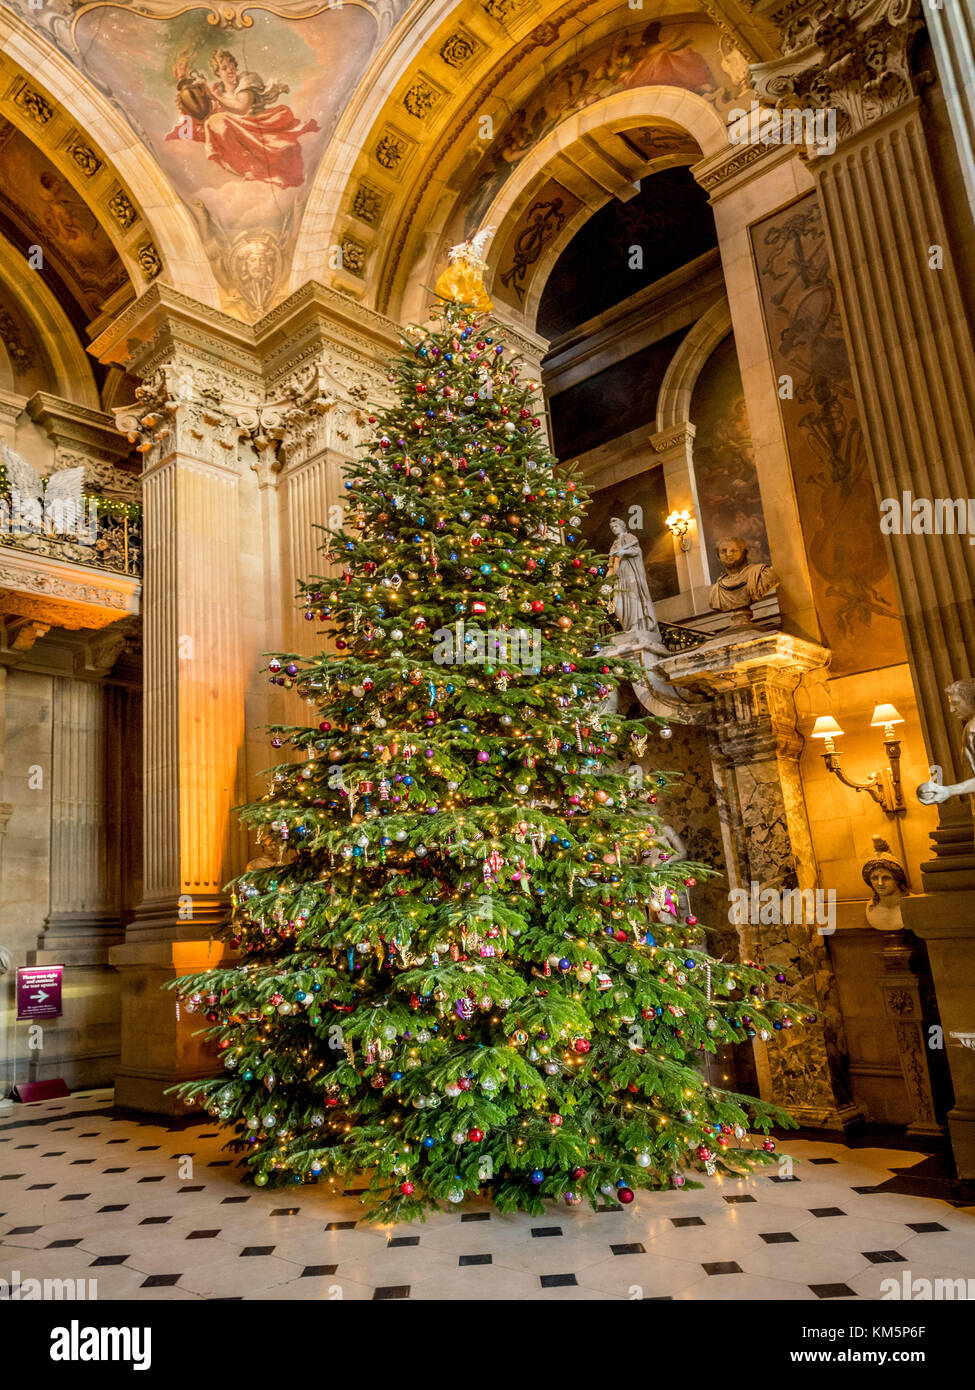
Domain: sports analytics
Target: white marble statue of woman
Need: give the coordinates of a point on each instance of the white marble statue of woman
(631, 605)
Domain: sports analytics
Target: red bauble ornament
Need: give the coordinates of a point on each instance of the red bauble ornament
(475, 1135)
(625, 1195)
(464, 1082)
(769, 1146)
(578, 1173)
(703, 1152)
(537, 605)
(581, 1044)
(406, 1188)
(555, 1120)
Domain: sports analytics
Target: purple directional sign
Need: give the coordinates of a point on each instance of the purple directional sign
(39, 991)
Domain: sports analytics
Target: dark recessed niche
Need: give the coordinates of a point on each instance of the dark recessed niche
(669, 219)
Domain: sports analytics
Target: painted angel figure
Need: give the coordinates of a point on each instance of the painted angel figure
(463, 280)
(33, 509)
(240, 121)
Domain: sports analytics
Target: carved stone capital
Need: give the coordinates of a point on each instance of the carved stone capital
(853, 55)
(183, 408)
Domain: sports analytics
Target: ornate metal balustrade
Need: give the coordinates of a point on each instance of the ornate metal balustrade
(109, 536)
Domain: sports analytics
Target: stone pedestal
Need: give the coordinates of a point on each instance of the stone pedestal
(749, 682)
(160, 1048)
(908, 1000)
(946, 923)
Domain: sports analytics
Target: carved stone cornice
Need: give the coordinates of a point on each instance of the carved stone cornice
(77, 428)
(853, 55)
(64, 595)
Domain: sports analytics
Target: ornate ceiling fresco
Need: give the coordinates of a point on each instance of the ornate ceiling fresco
(352, 141)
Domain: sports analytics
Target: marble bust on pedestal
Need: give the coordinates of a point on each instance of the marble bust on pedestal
(742, 583)
(887, 880)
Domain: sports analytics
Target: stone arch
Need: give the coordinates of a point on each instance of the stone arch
(680, 378)
(161, 237)
(672, 106)
(74, 379)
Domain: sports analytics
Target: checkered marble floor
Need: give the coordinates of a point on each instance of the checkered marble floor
(86, 1193)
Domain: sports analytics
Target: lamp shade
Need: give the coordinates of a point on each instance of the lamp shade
(885, 714)
(826, 727)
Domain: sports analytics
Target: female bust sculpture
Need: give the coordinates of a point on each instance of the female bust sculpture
(886, 879)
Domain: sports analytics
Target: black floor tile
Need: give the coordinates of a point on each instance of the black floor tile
(686, 1221)
(391, 1291)
(634, 1248)
(317, 1271)
(160, 1281)
(923, 1228)
(733, 1200)
(777, 1237)
(115, 1206)
(883, 1257)
(257, 1250)
(109, 1260)
(832, 1290)
(540, 1231)
(202, 1235)
(395, 1242)
(63, 1244)
(558, 1281)
(722, 1267)
(155, 1220)
(826, 1211)
(476, 1216)
(341, 1226)
(823, 1160)
(474, 1259)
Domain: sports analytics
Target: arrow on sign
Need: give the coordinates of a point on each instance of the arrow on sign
(40, 995)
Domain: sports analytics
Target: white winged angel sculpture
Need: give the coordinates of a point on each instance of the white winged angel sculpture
(32, 508)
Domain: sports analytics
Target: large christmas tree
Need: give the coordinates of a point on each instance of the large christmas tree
(466, 974)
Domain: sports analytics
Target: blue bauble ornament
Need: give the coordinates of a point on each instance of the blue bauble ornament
(429, 1142)
(536, 1176)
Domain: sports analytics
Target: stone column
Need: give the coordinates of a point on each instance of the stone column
(913, 366)
(746, 183)
(749, 683)
(674, 450)
(194, 686)
(219, 401)
(909, 342)
(84, 900)
(952, 31)
(84, 922)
